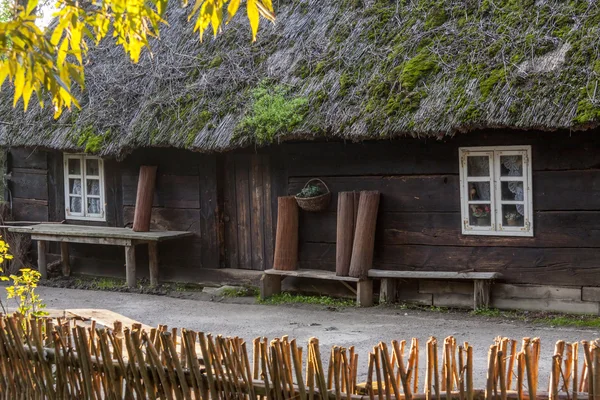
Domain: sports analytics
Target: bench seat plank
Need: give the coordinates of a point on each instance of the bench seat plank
(379, 273)
(313, 273)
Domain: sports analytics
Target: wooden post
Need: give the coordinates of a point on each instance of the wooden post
(130, 265)
(388, 293)
(364, 293)
(345, 233)
(286, 239)
(364, 234)
(42, 266)
(481, 294)
(64, 259)
(143, 202)
(269, 285)
(153, 262)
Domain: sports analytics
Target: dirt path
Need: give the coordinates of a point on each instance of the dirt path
(362, 328)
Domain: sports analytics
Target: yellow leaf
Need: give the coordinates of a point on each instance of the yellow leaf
(268, 4)
(19, 84)
(253, 17)
(232, 9)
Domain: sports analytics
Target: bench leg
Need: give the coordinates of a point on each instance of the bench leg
(42, 266)
(269, 285)
(364, 293)
(64, 259)
(153, 261)
(130, 265)
(388, 292)
(481, 294)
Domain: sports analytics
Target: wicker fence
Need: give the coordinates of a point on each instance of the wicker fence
(61, 359)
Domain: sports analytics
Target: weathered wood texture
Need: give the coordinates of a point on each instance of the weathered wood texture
(28, 185)
(143, 202)
(286, 240)
(364, 234)
(345, 232)
(418, 226)
(248, 214)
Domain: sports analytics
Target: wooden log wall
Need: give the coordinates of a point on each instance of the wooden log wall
(185, 199)
(419, 225)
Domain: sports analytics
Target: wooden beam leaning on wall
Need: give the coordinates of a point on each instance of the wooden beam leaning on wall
(145, 195)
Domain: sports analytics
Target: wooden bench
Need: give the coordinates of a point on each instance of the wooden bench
(481, 283)
(65, 234)
(270, 283)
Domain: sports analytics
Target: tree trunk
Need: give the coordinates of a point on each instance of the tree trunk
(286, 238)
(345, 233)
(364, 234)
(143, 202)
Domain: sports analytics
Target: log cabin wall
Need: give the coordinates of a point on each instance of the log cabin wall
(185, 199)
(419, 224)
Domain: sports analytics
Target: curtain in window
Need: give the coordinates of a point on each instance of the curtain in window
(514, 165)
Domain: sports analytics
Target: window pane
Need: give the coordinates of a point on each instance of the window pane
(75, 186)
(480, 215)
(479, 191)
(478, 166)
(92, 167)
(93, 187)
(93, 206)
(512, 215)
(74, 166)
(511, 165)
(512, 191)
(75, 204)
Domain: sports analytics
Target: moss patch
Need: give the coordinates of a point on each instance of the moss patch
(273, 112)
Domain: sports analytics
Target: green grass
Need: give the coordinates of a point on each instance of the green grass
(582, 321)
(288, 298)
(107, 283)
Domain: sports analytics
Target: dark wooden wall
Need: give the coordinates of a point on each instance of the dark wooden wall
(419, 224)
(186, 199)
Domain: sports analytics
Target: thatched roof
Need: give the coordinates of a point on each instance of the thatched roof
(351, 69)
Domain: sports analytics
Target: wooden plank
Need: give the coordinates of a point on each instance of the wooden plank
(269, 285)
(566, 190)
(315, 274)
(445, 286)
(64, 259)
(56, 192)
(143, 203)
(130, 266)
(98, 232)
(172, 191)
(364, 293)
(590, 294)
(481, 294)
(169, 219)
(30, 210)
(268, 226)
(153, 263)
(41, 261)
(551, 229)
(429, 193)
(257, 212)
(388, 292)
(21, 157)
(509, 291)
(377, 273)
(29, 184)
(230, 213)
(242, 165)
(208, 212)
(458, 300)
(84, 240)
(170, 161)
(563, 306)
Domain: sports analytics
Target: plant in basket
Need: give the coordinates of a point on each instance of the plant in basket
(481, 214)
(314, 196)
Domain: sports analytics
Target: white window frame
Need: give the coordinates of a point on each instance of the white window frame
(496, 227)
(84, 215)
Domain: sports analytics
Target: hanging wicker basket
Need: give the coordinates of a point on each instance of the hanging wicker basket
(317, 203)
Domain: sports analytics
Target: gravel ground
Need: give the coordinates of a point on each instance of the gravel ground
(362, 328)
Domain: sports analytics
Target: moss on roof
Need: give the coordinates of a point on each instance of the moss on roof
(355, 69)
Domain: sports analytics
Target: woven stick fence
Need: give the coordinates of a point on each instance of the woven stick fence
(61, 359)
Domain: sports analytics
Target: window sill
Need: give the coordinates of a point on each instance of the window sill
(75, 218)
(498, 233)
